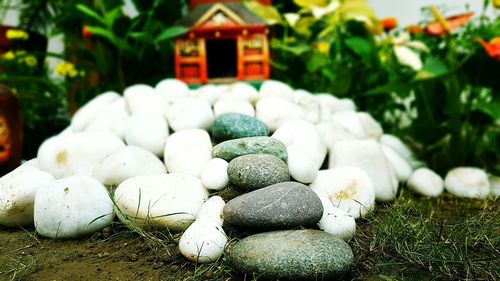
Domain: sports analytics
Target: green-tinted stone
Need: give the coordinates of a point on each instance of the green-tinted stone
(254, 171)
(231, 149)
(292, 255)
(235, 125)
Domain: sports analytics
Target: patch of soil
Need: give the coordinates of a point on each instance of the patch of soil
(104, 256)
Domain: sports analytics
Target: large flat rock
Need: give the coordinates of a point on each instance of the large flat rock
(279, 206)
(292, 255)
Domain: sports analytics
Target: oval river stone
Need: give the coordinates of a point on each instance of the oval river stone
(231, 149)
(235, 125)
(254, 171)
(279, 206)
(292, 254)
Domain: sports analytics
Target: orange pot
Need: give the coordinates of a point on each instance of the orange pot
(10, 131)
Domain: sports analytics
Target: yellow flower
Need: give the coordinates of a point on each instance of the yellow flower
(72, 73)
(30, 61)
(66, 69)
(15, 34)
(322, 47)
(496, 4)
(8, 55)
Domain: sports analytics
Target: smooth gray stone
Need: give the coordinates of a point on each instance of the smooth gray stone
(254, 171)
(292, 255)
(231, 149)
(236, 125)
(279, 206)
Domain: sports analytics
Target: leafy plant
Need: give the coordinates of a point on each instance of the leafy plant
(438, 93)
(42, 99)
(120, 50)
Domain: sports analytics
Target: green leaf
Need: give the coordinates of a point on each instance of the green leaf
(360, 10)
(328, 73)
(310, 3)
(360, 46)
(265, 12)
(316, 62)
(112, 16)
(303, 25)
(170, 33)
(397, 86)
(432, 68)
(492, 109)
(296, 49)
(118, 42)
(343, 80)
(278, 66)
(86, 10)
(141, 36)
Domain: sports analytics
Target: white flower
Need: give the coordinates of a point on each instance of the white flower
(319, 12)
(408, 57)
(404, 54)
(292, 18)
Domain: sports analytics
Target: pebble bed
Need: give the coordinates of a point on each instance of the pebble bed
(307, 165)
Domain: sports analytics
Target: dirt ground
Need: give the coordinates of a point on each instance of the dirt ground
(117, 253)
(104, 256)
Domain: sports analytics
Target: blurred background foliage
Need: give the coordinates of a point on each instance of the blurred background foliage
(435, 89)
(434, 85)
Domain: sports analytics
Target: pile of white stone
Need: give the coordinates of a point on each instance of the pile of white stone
(146, 156)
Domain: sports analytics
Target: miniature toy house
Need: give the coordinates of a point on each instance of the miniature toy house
(226, 41)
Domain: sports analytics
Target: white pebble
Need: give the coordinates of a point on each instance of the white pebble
(72, 207)
(128, 162)
(88, 112)
(467, 182)
(76, 154)
(225, 106)
(189, 113)
(17, 194)
(301, 167)
(147, 131)
(336, 221)
(426, 182)
(170, 201)
(188, 152)
(142, 99)
(214, 175)
(275, 112)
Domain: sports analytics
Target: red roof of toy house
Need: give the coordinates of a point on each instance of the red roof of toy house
(242, 18)
(194, 3)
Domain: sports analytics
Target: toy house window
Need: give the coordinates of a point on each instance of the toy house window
(189, 48)
(221, 58)
(253, 46)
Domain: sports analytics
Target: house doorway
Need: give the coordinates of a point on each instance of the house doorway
(221, 58)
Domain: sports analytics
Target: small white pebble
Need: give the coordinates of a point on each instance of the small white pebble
(426, 182)
(214, 175)
(467, 182)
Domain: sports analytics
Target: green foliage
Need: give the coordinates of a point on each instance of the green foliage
(42, 100)
(438, 93)
(121, 50)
